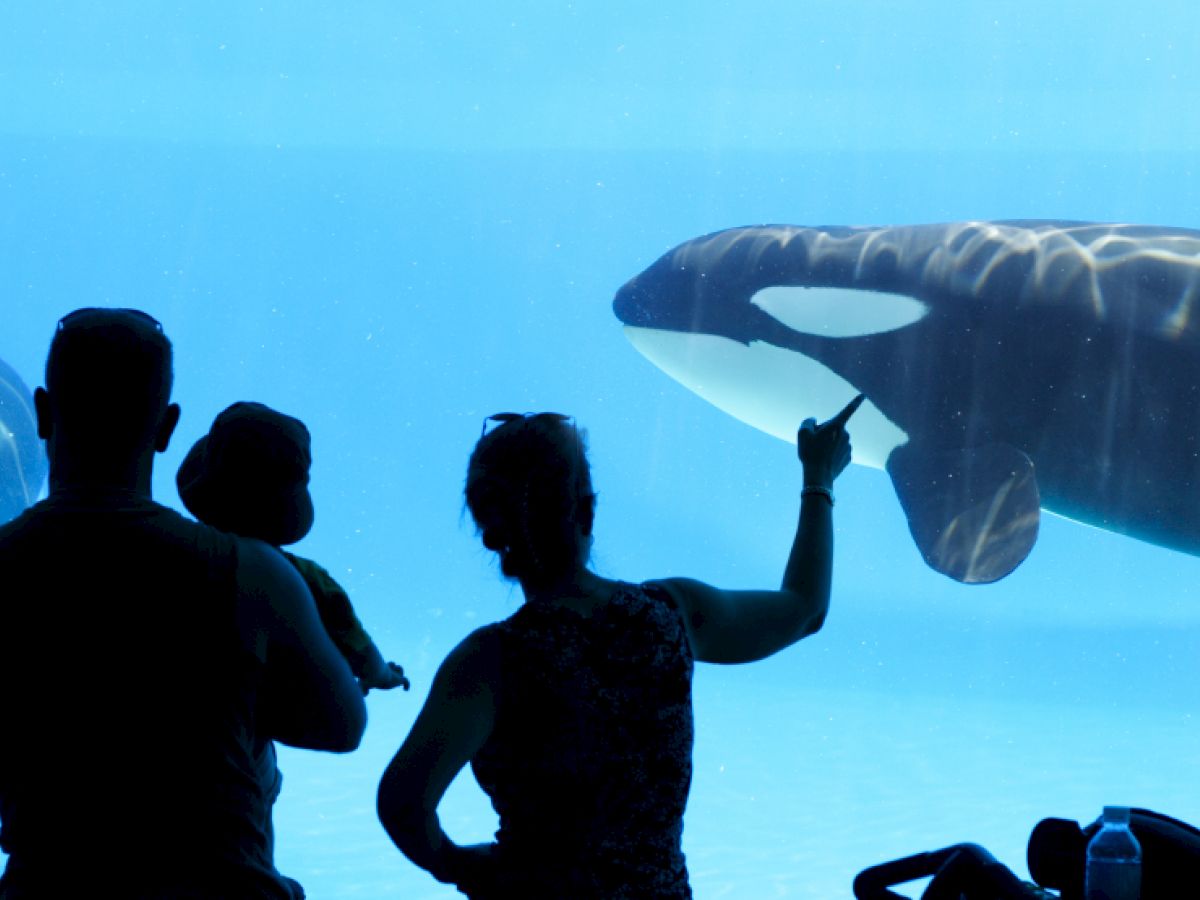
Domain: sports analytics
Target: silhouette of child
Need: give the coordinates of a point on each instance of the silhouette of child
(249, 476)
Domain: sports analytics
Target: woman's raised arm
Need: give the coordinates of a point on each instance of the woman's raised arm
(743, 626)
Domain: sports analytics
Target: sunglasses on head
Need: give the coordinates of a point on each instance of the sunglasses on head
(107, 314)
(502, 419)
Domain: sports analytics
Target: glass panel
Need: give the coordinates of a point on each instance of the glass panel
(392, 220)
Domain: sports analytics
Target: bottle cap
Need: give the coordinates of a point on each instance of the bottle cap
(1117, 815)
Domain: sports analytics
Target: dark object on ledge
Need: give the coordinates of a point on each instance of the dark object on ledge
(960, 872)
(1057, 855)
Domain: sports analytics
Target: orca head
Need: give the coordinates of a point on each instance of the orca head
(672, 295)
(748, 338)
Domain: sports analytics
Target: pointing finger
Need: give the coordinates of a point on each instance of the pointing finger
(850, 409)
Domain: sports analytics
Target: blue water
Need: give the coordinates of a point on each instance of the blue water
(394, 219)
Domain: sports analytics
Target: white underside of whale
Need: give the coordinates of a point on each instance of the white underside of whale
(773, 389)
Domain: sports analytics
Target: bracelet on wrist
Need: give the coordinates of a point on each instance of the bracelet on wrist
(813, 489)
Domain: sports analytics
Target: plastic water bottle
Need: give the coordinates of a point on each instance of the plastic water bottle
(1114, 859)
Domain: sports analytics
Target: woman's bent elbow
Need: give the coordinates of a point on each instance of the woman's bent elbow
(403, 820)
(816, 623)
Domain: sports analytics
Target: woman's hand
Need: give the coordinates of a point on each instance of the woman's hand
(824, 450)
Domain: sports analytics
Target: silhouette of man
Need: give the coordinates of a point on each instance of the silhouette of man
(146, 661)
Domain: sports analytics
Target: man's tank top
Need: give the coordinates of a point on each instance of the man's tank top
(130, 757)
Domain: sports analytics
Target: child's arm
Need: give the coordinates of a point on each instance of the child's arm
(346, 631)
(380, 674)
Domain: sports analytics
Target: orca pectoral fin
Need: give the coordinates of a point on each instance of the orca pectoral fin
(973, 512)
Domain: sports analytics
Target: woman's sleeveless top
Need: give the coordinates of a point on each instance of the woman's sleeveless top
(589, 762)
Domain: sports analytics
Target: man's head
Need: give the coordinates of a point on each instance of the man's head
(108, 385)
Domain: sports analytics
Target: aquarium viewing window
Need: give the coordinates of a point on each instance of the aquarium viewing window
(392, 220)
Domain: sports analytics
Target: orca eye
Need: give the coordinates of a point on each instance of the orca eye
(838, 312)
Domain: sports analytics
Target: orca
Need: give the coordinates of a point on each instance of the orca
(1009, 366)
(23, 462)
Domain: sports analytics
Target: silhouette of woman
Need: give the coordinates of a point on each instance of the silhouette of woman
(575, 713)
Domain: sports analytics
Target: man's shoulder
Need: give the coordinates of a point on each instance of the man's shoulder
(266, 573)
(316, 576)
(14, 526)
(28, 523)
(117, 519)
(171, 525)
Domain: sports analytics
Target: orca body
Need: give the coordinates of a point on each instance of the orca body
(1010, 366)
(22, 459)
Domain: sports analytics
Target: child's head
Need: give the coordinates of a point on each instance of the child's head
(249, 475)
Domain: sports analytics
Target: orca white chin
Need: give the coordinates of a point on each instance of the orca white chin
(772, 389)
(838, 312)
